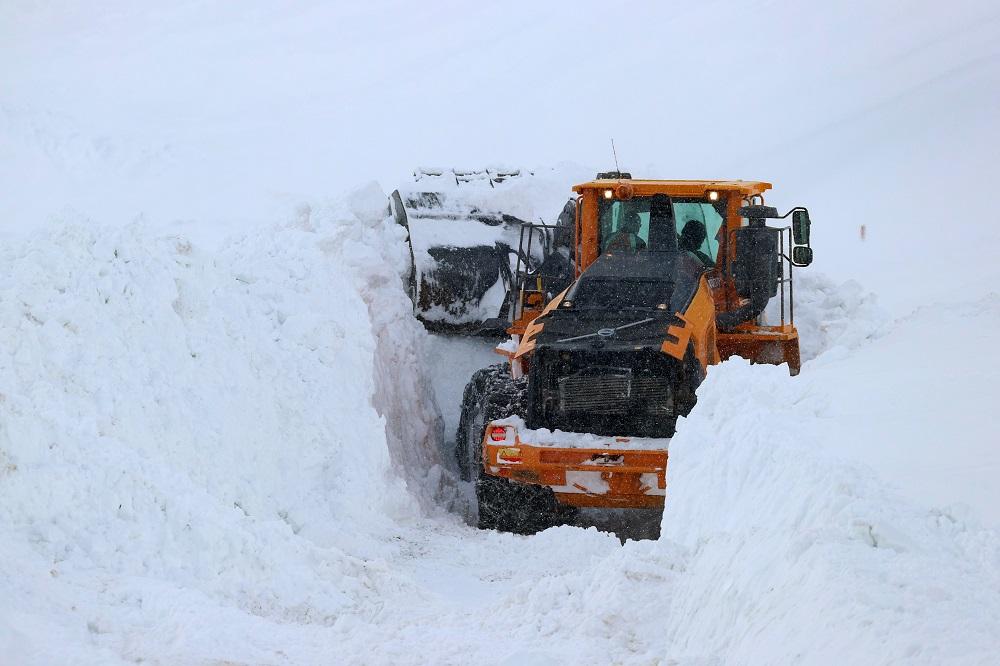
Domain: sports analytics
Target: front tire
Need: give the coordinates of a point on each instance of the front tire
(520, 508)
(506, 506)
(491, 394)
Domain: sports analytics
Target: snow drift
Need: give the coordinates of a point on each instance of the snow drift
(799, 554)
(233, 456)
(215, 423)
(220, 455)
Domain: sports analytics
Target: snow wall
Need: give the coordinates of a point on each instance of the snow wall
(231, 424)
(808, 532)
(795, 553)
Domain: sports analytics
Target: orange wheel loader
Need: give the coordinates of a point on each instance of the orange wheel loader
(611, 334)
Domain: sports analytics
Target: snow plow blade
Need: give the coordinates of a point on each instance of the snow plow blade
(605, 472)
(461, 248)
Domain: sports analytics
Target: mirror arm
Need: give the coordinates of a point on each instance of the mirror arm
(792, 211)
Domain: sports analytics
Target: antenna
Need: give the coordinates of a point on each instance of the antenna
(615, 154)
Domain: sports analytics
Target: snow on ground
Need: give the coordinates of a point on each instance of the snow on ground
(836, 512)
(812, 557)
(218, 442)
(207, 422)
(915, 404)
(195, 468)
(226, 457)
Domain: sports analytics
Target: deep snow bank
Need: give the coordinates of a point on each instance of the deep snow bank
(916, 405)
(797, 550)
(218, 456)
(830, 314)
(171, 420)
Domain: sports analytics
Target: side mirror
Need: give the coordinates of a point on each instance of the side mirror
(800, 227)
(802, 256)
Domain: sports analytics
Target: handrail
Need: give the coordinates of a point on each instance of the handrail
(523, 266)
(785, 259)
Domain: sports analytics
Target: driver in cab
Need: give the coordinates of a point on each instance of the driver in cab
(689, 242)
(627, 238)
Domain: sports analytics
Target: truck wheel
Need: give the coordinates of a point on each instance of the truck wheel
(503, 505)
(520, 508)
(490, 394)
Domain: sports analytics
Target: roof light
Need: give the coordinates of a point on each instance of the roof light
(608, 194)
(713, 196)
(567, 304)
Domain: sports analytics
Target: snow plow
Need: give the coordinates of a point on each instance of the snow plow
(463, 247)
(666, 278)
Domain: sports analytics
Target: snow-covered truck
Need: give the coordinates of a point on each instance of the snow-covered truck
(666, 277)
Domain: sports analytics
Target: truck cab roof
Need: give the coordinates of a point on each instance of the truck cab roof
(677, 188)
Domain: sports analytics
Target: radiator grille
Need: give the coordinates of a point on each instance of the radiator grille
(614, 393)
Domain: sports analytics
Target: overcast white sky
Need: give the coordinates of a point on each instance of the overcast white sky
(235, 113)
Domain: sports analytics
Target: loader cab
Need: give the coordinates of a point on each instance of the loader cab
(604, 205)
(618, 217)
(708, 224)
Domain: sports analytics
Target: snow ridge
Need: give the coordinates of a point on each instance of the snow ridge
(797, 554)
(203, 423)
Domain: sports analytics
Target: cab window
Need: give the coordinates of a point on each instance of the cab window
(708, 214)
(624, 224)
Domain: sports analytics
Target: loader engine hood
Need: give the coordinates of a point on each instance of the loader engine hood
(597, 364)
(622, 302)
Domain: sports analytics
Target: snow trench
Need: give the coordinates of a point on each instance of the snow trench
(235, 456)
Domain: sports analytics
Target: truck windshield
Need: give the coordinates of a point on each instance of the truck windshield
(625, 226)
